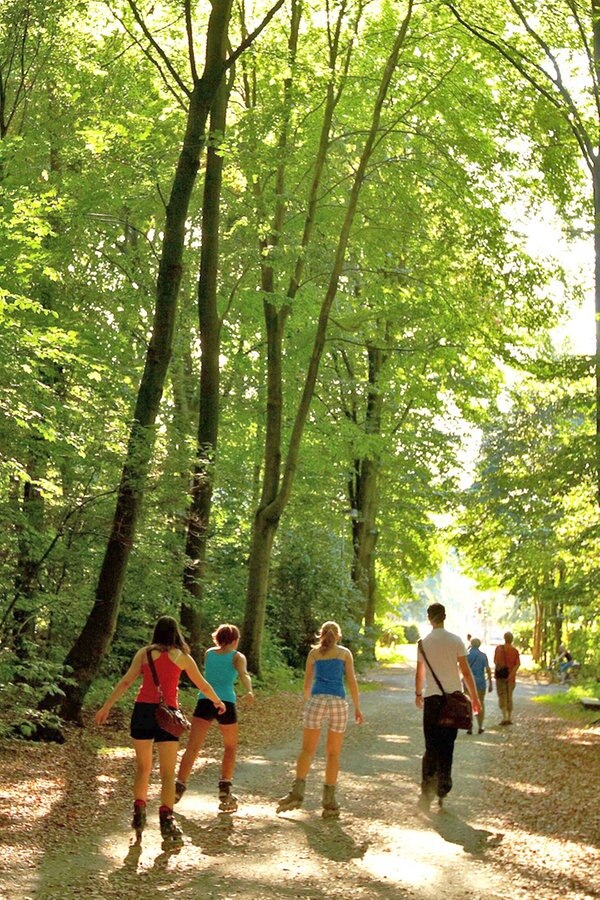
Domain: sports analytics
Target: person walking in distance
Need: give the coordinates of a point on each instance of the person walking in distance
(506, 662)
(327, 665)
(223, 665)
(171, 657)
(480, 667)
(447, 655)
(565, 662)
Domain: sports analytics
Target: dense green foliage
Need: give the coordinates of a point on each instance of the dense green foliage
(530, 524)
(438, 298)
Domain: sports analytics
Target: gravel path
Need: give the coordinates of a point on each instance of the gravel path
(492, 840)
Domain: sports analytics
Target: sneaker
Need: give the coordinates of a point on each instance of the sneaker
(481, 730)
(469, 731)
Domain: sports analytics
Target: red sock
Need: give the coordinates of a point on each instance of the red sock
(139, 802)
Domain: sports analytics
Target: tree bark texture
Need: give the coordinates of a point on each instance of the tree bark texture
(26, 578)
(192, 617)
(364, 497)
(263, 536)
(537, 630)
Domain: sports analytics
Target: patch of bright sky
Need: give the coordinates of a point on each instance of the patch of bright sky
(545, 238)
(545, 241)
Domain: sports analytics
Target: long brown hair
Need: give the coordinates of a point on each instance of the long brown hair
(167, 634)
(329, 634)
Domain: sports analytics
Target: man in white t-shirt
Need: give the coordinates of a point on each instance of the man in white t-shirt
(447, 655)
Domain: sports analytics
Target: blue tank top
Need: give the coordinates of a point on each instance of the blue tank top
(220, 673)
(329, 677)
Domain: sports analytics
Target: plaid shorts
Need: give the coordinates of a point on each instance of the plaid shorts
(326, 708)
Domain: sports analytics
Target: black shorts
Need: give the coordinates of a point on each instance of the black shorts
(205, 709)
(144, 726)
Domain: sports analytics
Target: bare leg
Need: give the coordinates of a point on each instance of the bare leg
(167, 758)
(509, 701)
(143, 768)
(335, 739)
(196, 738)
(229, 734)
(295, 798)
(310, 740)
(481, 714)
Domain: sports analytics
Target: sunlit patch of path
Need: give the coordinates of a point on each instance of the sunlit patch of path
(381, 847)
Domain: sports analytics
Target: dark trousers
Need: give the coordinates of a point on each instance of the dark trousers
(439, 750)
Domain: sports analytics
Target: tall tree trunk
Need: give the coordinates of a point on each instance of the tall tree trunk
(538, 629)
(269, 515)
(263, 535)
(192, 617)
(23, 624)
(363, 569)
(84, 658)
(365, 499)
(266, 518)
(558, 611)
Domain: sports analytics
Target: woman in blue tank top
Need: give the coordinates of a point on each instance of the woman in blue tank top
(223, 665)
(327, 665)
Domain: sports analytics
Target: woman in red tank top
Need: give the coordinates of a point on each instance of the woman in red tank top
(171, 657)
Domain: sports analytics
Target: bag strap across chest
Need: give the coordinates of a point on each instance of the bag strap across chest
(439, 683)
(155, 677)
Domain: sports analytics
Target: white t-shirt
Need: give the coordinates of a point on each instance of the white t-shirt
(443, 650)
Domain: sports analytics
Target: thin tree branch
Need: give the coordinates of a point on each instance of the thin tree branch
(519, 61)
(589, 53)
(254, 34)
(189, 27)
(159, 50)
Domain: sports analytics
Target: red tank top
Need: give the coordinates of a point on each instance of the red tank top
(168, 675)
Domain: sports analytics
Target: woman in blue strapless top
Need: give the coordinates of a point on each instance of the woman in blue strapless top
(327, 666)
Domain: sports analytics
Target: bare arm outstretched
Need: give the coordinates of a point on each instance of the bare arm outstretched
(353, 687)
(121, 687)
(239, 661)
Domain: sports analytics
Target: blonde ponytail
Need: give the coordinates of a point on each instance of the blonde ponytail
(329, 634)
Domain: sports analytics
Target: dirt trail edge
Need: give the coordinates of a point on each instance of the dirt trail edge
(497, 837)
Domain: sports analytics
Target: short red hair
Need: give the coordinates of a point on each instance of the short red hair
(226, 634)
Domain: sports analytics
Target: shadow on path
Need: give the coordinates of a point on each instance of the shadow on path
(213, 839)
(330, 840)
(454, 830)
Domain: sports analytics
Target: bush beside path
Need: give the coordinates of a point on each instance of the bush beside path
(522, 821)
